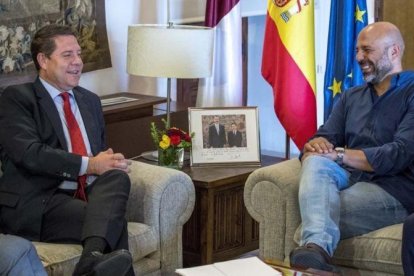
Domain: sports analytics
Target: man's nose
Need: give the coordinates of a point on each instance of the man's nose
(77, 59)
(359, 56)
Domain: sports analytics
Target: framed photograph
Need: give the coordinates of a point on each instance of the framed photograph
(224, 136)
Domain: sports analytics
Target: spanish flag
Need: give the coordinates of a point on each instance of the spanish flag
(288, 65)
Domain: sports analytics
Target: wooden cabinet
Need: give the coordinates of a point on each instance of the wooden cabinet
(220, 227)
(128, 124)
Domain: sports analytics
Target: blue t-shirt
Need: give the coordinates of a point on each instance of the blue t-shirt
(383, 128)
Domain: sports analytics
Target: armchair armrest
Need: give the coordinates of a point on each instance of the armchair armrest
(164, 199)
(271, 198)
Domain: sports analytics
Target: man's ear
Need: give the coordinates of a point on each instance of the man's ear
(42, 60)
(395, 51)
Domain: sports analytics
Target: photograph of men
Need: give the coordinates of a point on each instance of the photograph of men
(216, 134)
(234, 137)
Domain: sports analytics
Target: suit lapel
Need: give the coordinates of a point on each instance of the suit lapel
(88, 120)
(48, 105)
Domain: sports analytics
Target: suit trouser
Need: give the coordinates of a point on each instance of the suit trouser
(407, 254)
(70, 220)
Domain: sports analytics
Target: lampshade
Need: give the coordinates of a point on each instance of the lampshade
(171, 52)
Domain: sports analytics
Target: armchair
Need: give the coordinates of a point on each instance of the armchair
(271, 198)
(160, 202)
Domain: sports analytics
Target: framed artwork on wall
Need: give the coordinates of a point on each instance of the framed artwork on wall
(20, 19)
(226, 136)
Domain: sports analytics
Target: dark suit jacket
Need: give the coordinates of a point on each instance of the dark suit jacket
(216, 140)
(34, 154)
(234, 140)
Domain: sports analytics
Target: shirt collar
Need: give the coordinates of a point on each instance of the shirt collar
(53, 92)
(395, 81)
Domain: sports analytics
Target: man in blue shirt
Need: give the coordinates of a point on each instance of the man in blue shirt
(358, 170)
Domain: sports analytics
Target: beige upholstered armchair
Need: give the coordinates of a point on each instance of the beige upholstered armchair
(271, 198)
(161, 201)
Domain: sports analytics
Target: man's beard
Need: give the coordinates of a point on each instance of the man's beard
(381, 69)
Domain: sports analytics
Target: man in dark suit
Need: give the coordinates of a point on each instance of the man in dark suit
(234, 137)
(216, 134)
(60, 183)
(407, 250)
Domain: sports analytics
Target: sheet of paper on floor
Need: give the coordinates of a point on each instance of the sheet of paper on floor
(240, 267)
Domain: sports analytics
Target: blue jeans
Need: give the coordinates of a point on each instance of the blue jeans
(18, 257)
(333, 209)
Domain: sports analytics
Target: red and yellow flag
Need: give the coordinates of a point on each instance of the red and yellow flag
(288, 65)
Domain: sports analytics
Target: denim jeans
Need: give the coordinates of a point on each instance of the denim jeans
(19, 257)
(332, 209)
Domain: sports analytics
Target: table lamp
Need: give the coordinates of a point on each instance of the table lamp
(169, 51)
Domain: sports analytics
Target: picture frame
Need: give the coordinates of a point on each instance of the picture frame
(20, 20)
(225, 136)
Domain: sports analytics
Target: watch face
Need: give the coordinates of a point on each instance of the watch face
(338, 149)
(339, 155)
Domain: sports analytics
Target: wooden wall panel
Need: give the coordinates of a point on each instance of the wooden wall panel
(400, 13)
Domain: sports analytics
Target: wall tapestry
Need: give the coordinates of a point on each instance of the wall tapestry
(20, 19)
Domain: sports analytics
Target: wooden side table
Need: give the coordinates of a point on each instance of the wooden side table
(128, 124)
(141, 106)
(220, 227)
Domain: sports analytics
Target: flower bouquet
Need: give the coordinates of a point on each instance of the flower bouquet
(170, 143)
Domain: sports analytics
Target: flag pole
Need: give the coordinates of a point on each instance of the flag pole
(287, 147)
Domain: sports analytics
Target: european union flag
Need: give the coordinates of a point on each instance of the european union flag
(348, 18)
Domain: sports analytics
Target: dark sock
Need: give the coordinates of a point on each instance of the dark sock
(94, 244)
(87, 261)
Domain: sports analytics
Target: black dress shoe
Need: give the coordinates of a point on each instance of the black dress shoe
(311, 256)
(97, 264)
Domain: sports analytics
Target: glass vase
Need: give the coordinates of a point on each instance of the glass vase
(171, 157)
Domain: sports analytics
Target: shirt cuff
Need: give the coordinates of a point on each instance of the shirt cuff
(84, 165)
(371, 154)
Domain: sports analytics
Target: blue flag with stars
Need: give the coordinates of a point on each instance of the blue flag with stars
(347, 19)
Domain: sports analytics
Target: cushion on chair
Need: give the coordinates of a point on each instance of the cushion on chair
(60, 259)
(142, 240)
(379, 250)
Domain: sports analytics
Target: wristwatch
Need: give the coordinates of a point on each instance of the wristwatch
(339, 155)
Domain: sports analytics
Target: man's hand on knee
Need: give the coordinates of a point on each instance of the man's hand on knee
(318, 145)
(108, 160)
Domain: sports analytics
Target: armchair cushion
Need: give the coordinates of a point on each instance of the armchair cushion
(142, 241)
(378, 250)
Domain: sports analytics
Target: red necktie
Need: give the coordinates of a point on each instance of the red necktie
(76, 139)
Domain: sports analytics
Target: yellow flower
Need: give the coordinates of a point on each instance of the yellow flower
(165, 142)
